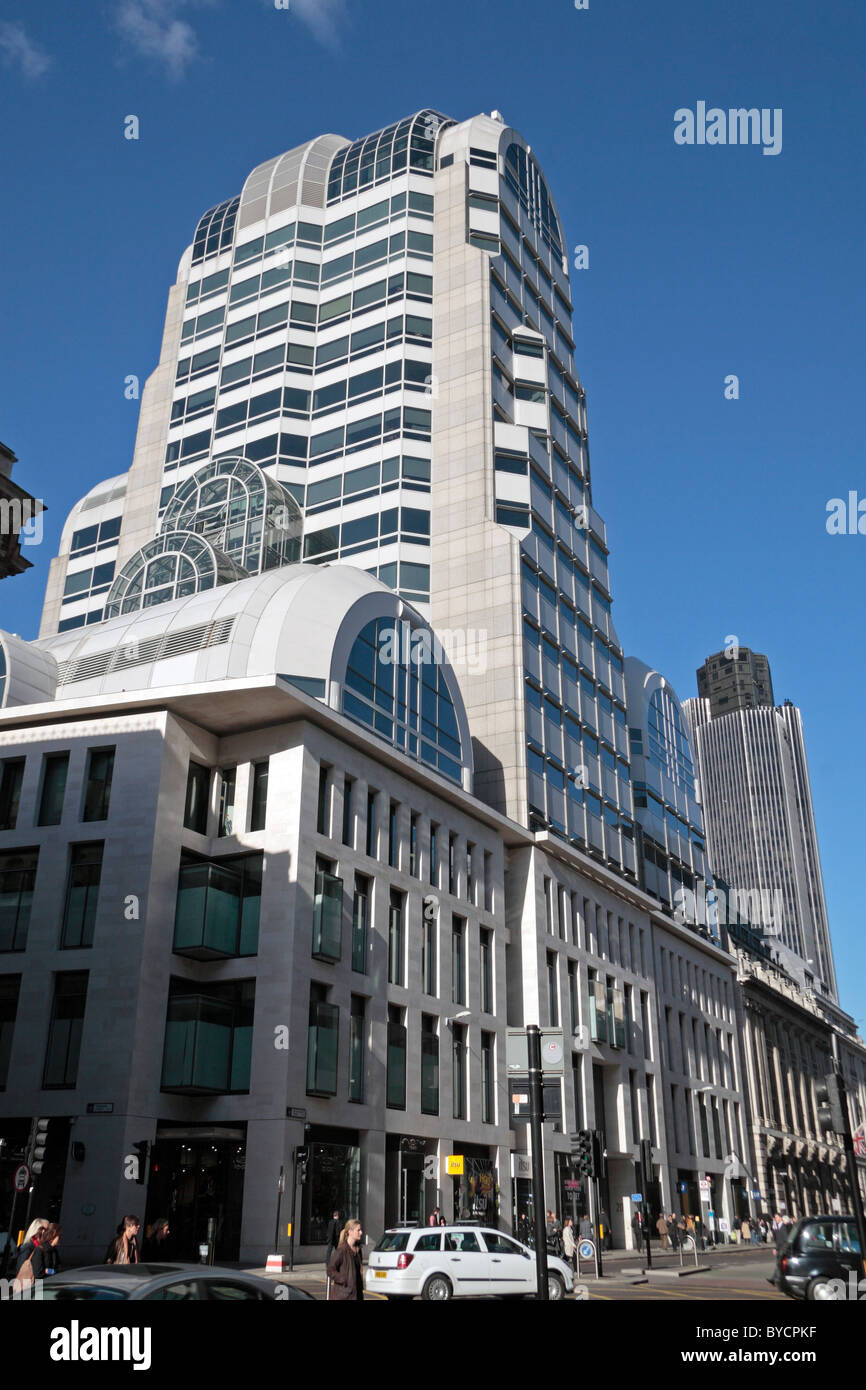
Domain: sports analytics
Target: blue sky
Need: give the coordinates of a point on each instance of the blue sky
(704, 261)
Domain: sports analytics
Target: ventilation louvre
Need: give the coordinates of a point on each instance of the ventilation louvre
(160, 648)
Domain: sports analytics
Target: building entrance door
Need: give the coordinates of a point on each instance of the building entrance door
(197, 1182)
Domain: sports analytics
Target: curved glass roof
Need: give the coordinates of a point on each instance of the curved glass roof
(407, 144)
(215, 230)
(174, 565)
(526, 180)
(241, 510)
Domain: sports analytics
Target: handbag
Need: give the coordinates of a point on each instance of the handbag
(25, 1276)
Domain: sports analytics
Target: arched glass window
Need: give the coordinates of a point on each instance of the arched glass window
(174, 565)
(395, 684)
(526, 180)
(215, 230)
(669, 747)
(406, 144)
(242, 511)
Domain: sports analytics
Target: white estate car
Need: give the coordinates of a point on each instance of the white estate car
(453, 1261)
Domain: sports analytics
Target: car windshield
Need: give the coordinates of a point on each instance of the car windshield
(393, 1240)
(63, 1293)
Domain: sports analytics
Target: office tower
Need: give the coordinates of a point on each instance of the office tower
(382, 329)
(735, 678)
(761, 833)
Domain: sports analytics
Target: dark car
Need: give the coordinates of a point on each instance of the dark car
(817, 1259)
(165, 1283)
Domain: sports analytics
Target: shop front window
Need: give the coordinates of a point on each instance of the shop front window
(333, 1184)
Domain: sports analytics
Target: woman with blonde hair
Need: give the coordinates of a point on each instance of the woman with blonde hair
(30, 1262)
(344, 1268)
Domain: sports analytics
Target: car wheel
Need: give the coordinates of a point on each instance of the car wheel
(555, 1288)
(438, 1289)
(824, 1290)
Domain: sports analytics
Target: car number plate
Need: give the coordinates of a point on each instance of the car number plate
(381, 1273)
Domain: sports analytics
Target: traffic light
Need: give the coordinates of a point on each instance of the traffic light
(582, 1152)
(831, 1110)
(599, 1164)
(302, 1159)
(38, 1145)
(142, 1148)
(646, 1162)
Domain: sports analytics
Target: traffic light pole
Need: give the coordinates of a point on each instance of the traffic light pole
(533, 1044)
(646, 1174)
(281, 1182)
(294, 1201)
(853, 1178)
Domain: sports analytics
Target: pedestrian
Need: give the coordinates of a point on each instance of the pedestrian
(606, 1234)
(585, 1228)
(30, 1262)
(332, 1236)
(745, 1230)
(344, 1267)
(157, 1245)
(554, 1233)
(124, 1250)
(49, 1239)
(673, 1233)
(637, 1229)
(569, 1245)
(434, 1217)
(442, 1221)
(662, 1228)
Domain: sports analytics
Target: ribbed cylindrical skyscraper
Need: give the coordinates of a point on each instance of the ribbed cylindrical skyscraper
(760, 824)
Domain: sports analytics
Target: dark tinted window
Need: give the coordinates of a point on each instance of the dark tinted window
(500, 1245)
(430, 1242)
(225, 1291)
(173, 1293)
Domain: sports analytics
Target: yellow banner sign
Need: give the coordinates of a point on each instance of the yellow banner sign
(454, 1165)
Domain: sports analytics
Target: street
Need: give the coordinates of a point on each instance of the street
(735, 1274)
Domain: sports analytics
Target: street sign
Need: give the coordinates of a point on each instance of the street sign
(682, 1187)
(711, 1215)
(454, 1165)
(517, 1051)
(756, 1193)
(636, 1197)
(586, 1249)
(101, 1107)
(21, 1178)
(521, 1165)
